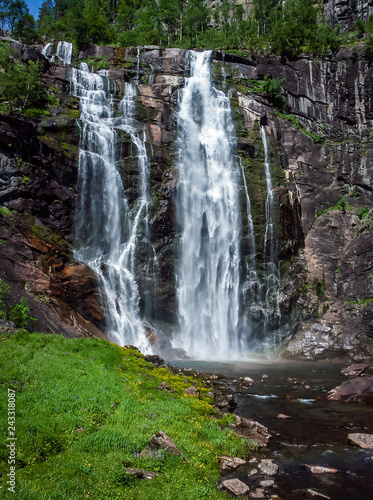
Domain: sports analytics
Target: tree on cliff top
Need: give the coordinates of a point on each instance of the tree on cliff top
(20, 84)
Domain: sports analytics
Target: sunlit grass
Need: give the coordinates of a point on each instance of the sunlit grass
(86, 408)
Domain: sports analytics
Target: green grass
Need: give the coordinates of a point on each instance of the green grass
(85, 409)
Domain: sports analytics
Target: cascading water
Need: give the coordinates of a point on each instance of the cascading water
(271, 302)
(108, 229)
(64, 53)
(209, 216)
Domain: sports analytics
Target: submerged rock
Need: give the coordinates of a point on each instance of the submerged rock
(319, 469)
(309, 493)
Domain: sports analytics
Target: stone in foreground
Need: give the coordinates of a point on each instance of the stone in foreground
(268, 467)
(142, 474)
(253, 430)
(160, 441)
(165, 387)
(362, 440)
(235, 486)
(192, 391)
(230, 463)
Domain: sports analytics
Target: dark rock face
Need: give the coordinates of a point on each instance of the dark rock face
(347, 11)
(321, 160)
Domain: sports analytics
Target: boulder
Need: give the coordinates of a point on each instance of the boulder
(165, 387)
(235, 487)
(357, 390)
(253, 430)
(268, 467)
(363, 440)
(230, 463)
(154, 358)
(192, 391)
(160, 441)
(225, 400)
(258, 493)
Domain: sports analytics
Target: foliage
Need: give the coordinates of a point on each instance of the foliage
(20, 84)
(18, 313)
(362, 213)
(78, 433)
(318, 139)
(272, 88)
(340, 205)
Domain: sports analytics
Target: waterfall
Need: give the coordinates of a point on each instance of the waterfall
(63, 53)
(208, 275)
(272, 280)
(109, 229)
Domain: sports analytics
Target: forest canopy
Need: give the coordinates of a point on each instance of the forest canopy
(289, 27)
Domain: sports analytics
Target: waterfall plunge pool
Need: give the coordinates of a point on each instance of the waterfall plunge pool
(316, 433)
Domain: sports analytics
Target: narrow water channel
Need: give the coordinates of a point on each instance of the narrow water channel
(316, 432)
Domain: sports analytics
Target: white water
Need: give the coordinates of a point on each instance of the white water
(208, 275)
(108, 229)
(272, 280)
(63, 53)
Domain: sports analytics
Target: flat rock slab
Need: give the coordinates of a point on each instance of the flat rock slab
(230, 463)
(362, 440)
(268, 467)
(319, 469)
(142, 474)
(235, 486)
(160, 441)
(356, 390)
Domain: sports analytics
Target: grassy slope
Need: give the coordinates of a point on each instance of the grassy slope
(86, 408)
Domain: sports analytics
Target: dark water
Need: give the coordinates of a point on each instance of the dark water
(317, 432)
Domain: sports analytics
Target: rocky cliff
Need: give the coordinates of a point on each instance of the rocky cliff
(321, 159)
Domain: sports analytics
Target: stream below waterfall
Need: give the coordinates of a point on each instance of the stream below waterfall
(316, 433)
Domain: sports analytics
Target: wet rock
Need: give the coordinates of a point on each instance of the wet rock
(160, 441)
(235, 486)
(154, 358)
(357, 390)
(258, 493)
(319, 469)
(192, 391)
(142, 474)
(267, 483)
(363, 440)
(252, 472)
(225, 400)
(283, 416)
(268, 467)
(230, 463)
(354, 370)
(309, 493)
(165, 387)
(253, 430)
